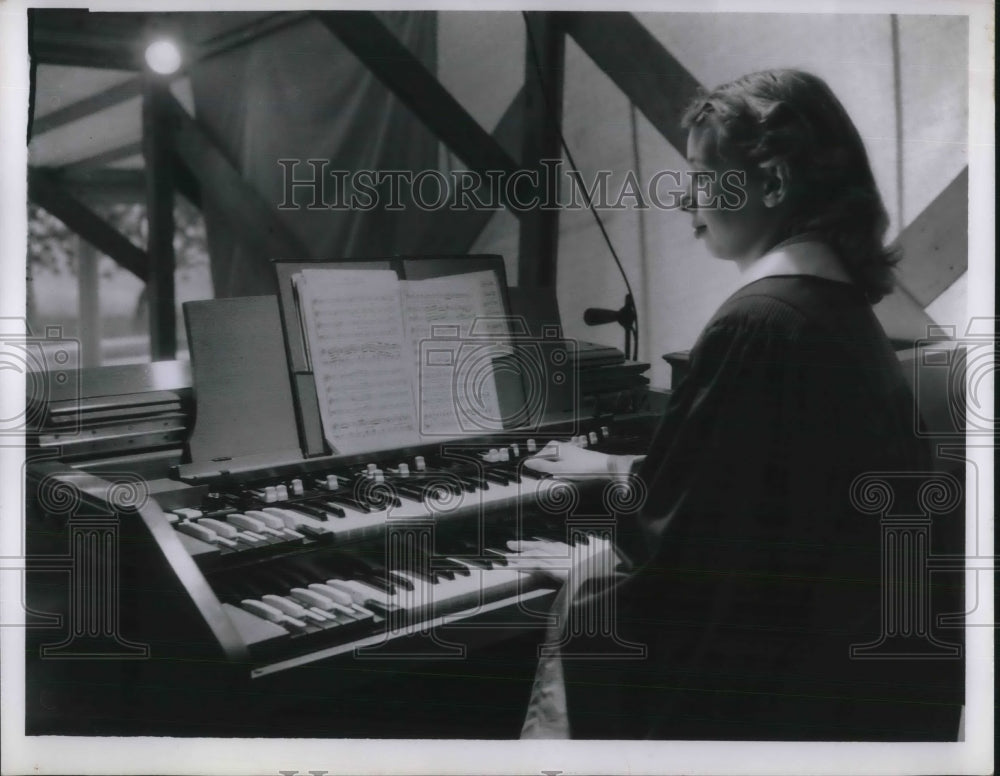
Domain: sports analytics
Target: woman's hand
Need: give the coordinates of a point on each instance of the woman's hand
(563, 563)
(571, 462)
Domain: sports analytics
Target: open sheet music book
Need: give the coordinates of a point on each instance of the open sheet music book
(402, 362)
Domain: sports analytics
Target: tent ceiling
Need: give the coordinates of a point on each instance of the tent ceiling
(84, 55)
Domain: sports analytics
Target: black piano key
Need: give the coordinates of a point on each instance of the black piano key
(441, 562)
(481, 563)
(421, 573)
(411, 491)
(494, 474)
(393, 580)
(509, 471)
(323, 503)
(380, 582)
(496, 556)
(376, 497)
(473, 554)
(458, 476)
(400, 581)
(346, 500)
(320, 513)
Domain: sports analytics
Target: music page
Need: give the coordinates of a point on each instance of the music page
(361, 359)
(455, 325)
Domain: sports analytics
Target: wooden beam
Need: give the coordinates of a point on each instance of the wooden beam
(156, 151)
(186, 182)
(78, 37)
(455, 231)
(80, 109)
(85, 222)
(544, 64)
(659, 85)
(250, 216)
(89, 295)
(416, 87)
(243, 35)
(126, 90)
(82, 53)
(104, 158)
(106, 185)
(935, 244)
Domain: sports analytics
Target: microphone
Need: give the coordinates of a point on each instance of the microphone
(596, 316)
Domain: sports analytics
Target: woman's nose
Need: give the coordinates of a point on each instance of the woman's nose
(687, 202)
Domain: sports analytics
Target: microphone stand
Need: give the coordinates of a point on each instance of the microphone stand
(627, 318)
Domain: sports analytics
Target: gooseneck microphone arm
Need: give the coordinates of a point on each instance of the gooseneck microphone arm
(627, 316)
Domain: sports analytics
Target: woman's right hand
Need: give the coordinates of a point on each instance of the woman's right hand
(570, 462)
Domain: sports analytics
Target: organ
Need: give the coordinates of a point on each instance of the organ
(200, 563)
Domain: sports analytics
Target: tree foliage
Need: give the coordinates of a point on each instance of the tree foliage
(52, 246)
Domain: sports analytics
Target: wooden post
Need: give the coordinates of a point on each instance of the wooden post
(90, 304)
(156, 145)
(545, 48)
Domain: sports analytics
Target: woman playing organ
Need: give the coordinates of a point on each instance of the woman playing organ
(748, 574)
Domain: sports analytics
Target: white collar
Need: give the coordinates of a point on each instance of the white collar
(797, 256)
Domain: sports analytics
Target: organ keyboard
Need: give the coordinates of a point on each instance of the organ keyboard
(227, 566)
(269, 582)
(291, 533)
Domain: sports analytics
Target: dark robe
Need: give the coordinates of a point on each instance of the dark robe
(752, 574)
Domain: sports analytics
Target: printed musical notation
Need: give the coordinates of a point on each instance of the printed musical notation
(455, 327)
(397, 362)
(360, 357)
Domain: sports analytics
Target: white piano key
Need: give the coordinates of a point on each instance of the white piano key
(250, 538)
(291, 608)
(275, 523)
(345, 610)
(271, 613)
(245, 522)
(197, 531)
(361, 593)
(311, 598)
(271, 521)
(188, 513)
(222, 529)
(335, 595)
(253, 525)
(324, 617)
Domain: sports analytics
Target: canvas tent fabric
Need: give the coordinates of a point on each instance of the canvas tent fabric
(300, 95)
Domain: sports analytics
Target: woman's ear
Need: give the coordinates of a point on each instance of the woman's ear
(776, 179)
